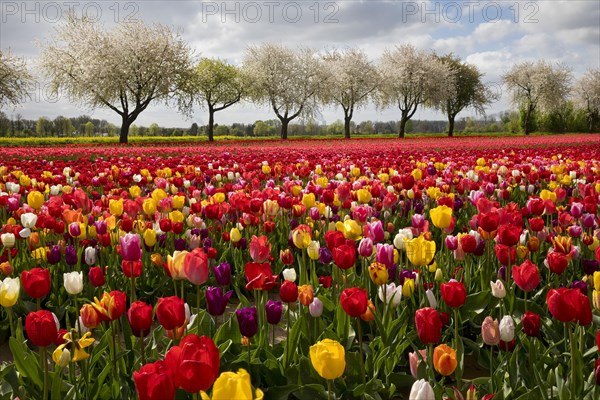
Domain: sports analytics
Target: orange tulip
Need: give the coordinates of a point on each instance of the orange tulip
(444, 359)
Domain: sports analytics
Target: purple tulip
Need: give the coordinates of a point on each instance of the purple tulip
(418, 221)
(70, 255)
(314, 214)
(247, 320)
(575, 231)
(203, 233)
(480, 249)
(588, 220)
(576, 210)
(216, 301)
(385, 254)
(589, 266)
(502, 272)
(581, 286)
(458, 204)
(365, 247)
(274, 311)
(179, 244)
(325, 255)
(406, 274)
(243, 243)
(451, 242)
(431, 170)
(131, 249)
(54, 255)
(222, 273)
(74, 229)
(375, 231)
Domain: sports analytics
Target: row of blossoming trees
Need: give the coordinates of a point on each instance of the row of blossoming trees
(102, 68)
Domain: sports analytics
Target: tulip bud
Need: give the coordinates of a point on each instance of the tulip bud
(90, 256)
(421, 390)
(289, 274)
(438, 275)
(498, 289)
(431, 298)
(8, 240)
(61, 357)
(507, 328)
(316, 308)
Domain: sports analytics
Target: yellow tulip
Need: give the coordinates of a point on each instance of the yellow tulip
(158, 195)
(420, 252)
(116, 207)
(9, 291)
(175, 264)
(150, 237)
(313, 250)
(363, 196)
(176, 216)
(350, 228)
(441, 216)
(35, 200)
(328, 358)
(135, 191)
(235, 235)
(25, 181)
(379, 273)
(302, 236)
(548, 195)
(219, 197)
(231, 385)
(179, 202)
(597, 280)
(408, 288)
(308, 199)
(149, 206)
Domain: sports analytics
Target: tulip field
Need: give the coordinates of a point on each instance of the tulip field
(424, 268)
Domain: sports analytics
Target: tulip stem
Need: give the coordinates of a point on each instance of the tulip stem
(142, 348)
(198, 310)
(132, 286)
(44, 365)
(328, 389)
(77, 316)
(287, 338)
(491, 369)
(10, 321)
(573, 372)
(362, 361)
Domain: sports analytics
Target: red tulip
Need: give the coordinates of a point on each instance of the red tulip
(453, 293)
(344, 256)
(36, 282)
(41, 327)
(194, 363)
(429, 325)
(557, 262)
(502, 253)
(468, 243)
(259, 276)
(509, 235)
(131, 268)
(531, 324)
(154, 382)
(536, 224)
(170, 312)
(195, 266)
(288, 292)
(260, 249)
(489, 221)
(90, 317)
(96, 276)
(140, 318)
(526, 276)
(354, 301)
(334, 239)
(569, 305)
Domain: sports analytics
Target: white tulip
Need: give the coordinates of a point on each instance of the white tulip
(391, 295)
(28, 220)
(507, 328)
(8, 240)
(498, 289)
(431, 298)
(73, 282)
(90, 256)
(421, 390)
(289, 274)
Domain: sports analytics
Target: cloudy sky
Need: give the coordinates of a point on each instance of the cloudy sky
(490, 34)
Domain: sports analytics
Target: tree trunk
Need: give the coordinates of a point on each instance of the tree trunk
(528, 114)
(284, 128)
(403, 122)
(347, 120)
(451, 125)
(125, 129)
(211, 124)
